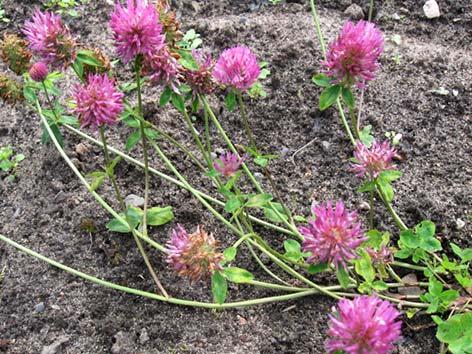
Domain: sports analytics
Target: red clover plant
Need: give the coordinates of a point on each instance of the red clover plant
(367, 318)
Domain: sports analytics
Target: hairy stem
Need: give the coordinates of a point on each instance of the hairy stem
(247, 127)
(144, 144)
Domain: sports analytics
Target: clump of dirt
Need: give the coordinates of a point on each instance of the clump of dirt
(45, 207)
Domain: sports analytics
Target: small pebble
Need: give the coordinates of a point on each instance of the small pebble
(431, 9)
(259, 176)
(354, 12)
(364, 206)
(39, 307)
(144, 336)
(81, 149)
(460, 224)
(134, 200)
(325, 145)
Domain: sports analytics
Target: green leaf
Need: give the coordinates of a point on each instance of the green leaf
(159, 216)
(132, 140)
(229, 254)
(230, 100)
(348, 97)
(409, 239)
(165, 96)
(386, 188)
(261, 161)
(317, 268)
(238, 275)
(343, 276)
(390, 175)
(435, 287)
(78, 68)
(364, 267)
(366, 137)
(178, 102)
(329, 96)
(425, 229)
(87, 57)
(457, 332)
(271, 215)
(465, 255)
(219, 287)
(233, 204)
(321, 80)
(151, 133)
(117, 226)
(97, 179)
(374, 239)
(379, 285)
(187, 60)
(259, 200)
(367, 186)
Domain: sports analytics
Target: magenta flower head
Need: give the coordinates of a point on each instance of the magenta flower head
(364, 325)
(228, 164)
(201, 81)
(136, 29)
(381, 256)
(370, 162)
(353, 56)
(193, 255)
(237, 67)
(163, 69)
(50, 39)
(333, 235)
(98, 101)
(38, 71)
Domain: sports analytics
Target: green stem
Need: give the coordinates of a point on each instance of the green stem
(247, 127)
(172, 180)
(153, 296)
(297, 275)
(245, 168)
(111, 175)
(48, 99)
(393, 274)
(319, 33)
(371, 10)
(197, 138)
(392, 212)
(354, 122)
(345, 123)
(207, 132)
(193, 190)
(408, 266)
(87, 185)
(144, 144)
(371, 211)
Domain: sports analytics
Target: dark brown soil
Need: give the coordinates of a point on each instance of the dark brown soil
(44, 207)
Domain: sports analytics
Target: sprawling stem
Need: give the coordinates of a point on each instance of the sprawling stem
(371, 210)
(119, 197)
(247, 127)
(246, 169)
(82, 179)
(392, 211)
(144, 143)
(172, 180)
(197, 138)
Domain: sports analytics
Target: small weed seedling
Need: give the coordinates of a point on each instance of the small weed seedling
(9, 162)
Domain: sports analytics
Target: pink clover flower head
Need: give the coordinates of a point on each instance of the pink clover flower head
(50, 39)
(39, 71)
(364, 325)
(201, 81)
(136, 29)
(163, 68)
(237, 67)
(228, 164)
(98, 101)
(193, 255)
(371, 161)
(333, 235)
(353, 56)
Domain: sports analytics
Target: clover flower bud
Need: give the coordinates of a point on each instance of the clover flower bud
(370, 162)
(39, 71)
(228, 164)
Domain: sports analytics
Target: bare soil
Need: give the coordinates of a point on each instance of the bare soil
(44, 207)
